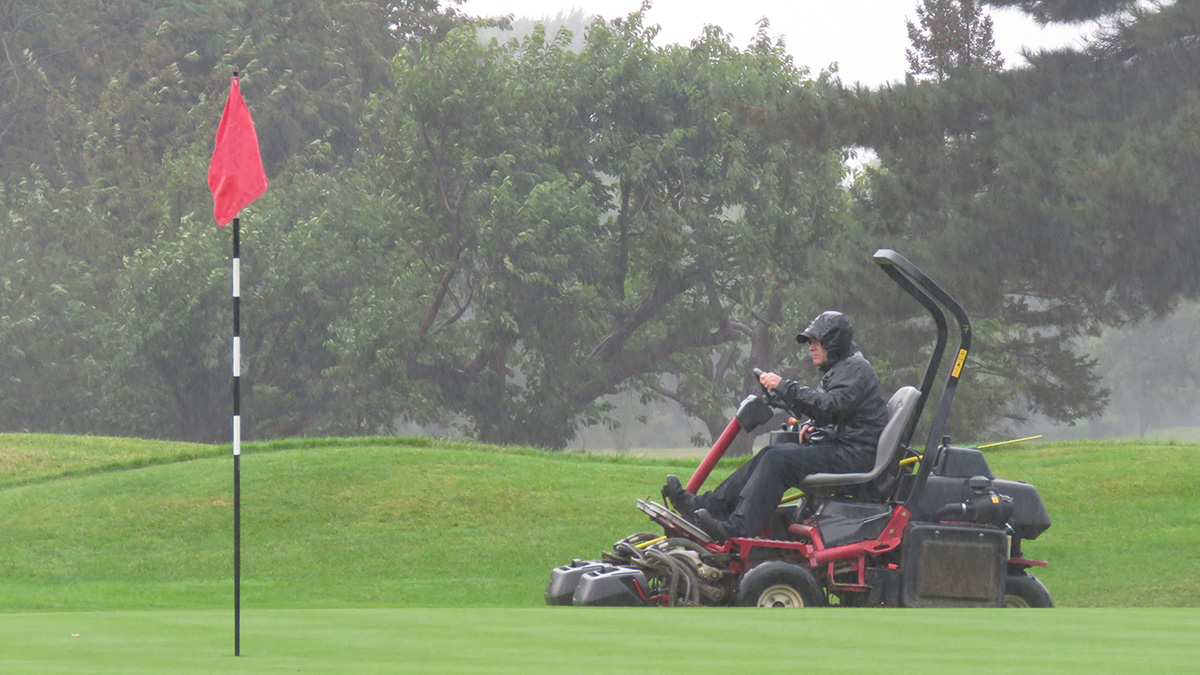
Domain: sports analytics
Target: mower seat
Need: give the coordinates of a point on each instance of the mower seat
(900, 409)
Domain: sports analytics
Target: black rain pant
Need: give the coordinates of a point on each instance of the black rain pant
(746, 500)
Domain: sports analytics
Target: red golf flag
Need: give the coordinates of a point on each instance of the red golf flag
(235, 174)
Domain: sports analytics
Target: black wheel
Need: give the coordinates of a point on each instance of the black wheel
(1023, 590)
(779, 584)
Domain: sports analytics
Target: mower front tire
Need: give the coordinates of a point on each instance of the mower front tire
(1024, 591)
(779, 584)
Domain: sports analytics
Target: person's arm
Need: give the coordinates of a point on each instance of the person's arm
(841, 396)
(771, 381)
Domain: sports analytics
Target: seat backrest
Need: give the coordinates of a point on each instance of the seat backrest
(900, 408)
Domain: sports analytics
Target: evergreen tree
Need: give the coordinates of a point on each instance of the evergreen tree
(1063, 193)
(1066, 11)
(950, 36)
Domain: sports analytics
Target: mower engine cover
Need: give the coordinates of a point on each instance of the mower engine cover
(950, 483)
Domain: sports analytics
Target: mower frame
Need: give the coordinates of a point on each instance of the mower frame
(951, 506)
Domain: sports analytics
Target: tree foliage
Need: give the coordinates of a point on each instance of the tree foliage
(108, 119)
(578, 224)
(497, 237)
(1153, 369)
(490, 237)
(1066, 11)
(950, 36)
(1061, 190)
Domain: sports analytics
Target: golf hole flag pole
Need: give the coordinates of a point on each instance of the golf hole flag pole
(236, 178)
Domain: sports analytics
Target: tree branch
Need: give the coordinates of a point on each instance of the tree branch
(443, 189)
(667, 289)
(644, 360)
(439, 297)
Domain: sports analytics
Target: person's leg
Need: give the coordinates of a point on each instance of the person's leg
(779, 467)
(721, 500)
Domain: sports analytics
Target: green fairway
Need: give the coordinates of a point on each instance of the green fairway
(394, 555)
(576, 640)
(413, 523)
(1184, 434)
(34, 458)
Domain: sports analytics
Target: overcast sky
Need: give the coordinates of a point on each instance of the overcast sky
(866, 38)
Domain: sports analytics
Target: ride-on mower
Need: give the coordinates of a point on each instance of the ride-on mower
(920, 529)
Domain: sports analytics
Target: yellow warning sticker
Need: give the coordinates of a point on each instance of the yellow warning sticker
(958, 363)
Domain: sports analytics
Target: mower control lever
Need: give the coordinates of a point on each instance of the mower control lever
(771, 397)
(758, 373)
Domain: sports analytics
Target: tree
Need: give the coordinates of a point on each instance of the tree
(794, 209)
(504, 29)
(108, 119)
(1111, 197)
(1066, 11)
(572, 226)
(1058, 226)
(951, 36)
(498, 237)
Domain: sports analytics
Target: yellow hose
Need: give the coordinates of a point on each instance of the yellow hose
(647, 544)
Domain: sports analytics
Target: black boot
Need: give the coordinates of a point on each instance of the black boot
(715, 528)
(683, 501)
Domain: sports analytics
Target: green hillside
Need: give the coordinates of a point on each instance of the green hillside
(107, 524)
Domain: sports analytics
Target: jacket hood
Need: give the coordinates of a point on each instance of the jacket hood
(833, 331)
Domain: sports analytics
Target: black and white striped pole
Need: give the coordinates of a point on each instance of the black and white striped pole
(236, 178)
(237, 441)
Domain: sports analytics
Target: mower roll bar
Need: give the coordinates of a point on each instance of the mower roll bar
(934, 299)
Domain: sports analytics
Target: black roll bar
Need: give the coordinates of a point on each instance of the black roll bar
(934, 299)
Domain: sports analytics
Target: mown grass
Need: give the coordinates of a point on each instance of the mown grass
(603, 640)
(1126, 518)
(356, 523)
(406, 555)
(33, 458)
(393, 523)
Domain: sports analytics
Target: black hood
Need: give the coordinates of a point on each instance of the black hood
(833, 331)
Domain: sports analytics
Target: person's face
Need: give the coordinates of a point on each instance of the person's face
(820, 355)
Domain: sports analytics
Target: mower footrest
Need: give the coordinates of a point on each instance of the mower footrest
(672, 521)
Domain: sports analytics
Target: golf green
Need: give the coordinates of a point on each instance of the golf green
(577, 640)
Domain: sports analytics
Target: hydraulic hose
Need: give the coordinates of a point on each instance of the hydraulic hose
(680, 542)
(678, 570)
(633, 553)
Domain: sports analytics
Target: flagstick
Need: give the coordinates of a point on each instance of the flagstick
(237, 443)
(236, 178)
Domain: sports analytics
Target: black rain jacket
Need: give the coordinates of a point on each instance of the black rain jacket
(847, 408)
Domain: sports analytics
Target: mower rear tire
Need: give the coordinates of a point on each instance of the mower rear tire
(1025, 591)
(778, 583)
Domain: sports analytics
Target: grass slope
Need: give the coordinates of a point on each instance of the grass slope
(110, 524)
